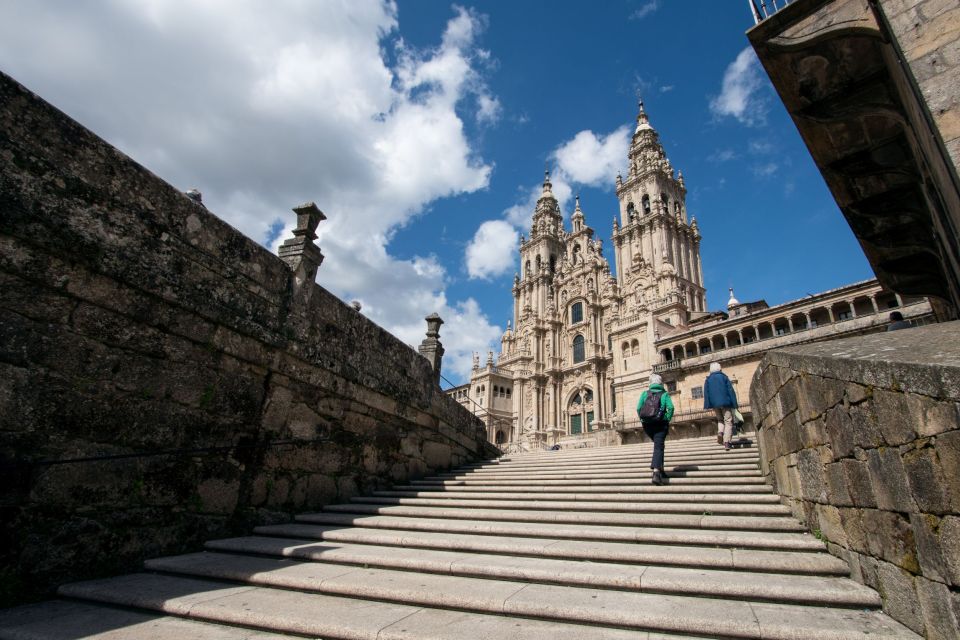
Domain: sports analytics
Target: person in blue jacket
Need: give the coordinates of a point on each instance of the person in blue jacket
(656, 429)
(718, 394)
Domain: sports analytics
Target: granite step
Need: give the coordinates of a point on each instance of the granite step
(728, 472)
(413, 528)
(636, 489)
(747, 509)
(318, 615)
(705, 520)
(641, 481)
(721, 457)
(288, 596)
(597, 497)
(385, 550)
(227, 557)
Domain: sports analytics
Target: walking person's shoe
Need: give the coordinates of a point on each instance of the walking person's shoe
(657, 478)
(663, 475)
(719, 438)
(726, 445)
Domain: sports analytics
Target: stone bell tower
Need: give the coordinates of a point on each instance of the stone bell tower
(657, 248)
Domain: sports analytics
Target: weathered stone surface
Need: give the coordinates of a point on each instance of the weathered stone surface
(886, 461)
(858, 482)
(929, 549)
(939, 618)
(893, 417)
(180, 378)
(928, 482)
(889, 480)
(900, 596)
(949, 536)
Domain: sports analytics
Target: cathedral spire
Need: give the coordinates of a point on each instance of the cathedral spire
(547, 185)
(643, 122)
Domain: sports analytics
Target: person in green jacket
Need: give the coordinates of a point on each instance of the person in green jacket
(655, 418)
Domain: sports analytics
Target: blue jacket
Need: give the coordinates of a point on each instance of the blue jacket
(718, 391)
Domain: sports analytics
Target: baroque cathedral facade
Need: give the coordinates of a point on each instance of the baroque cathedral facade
(582, 337)
(585, 337)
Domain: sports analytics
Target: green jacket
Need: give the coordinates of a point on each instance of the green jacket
(665, 402)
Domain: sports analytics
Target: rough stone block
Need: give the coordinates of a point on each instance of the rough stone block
(814, 433)
(947, 446)
(790, 441)
(936, 606)
(889, 480)
(934, 417)
(852, 523)
(856, 393)
(949, 537)
(890, 538)
(928, 482)
(864, 431)
(437, 455)
(858, 483)
(893, 417)
(899, 596)
(812, 483)
(840, 431)
(837, 492)
(816, 395)
(219, 496)
(831, 525)
(929, 551)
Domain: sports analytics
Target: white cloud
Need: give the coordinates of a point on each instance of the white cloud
(765, 170)
(263, 107)
(587, 159)
(759, 147)
(644, 10)
(739, 94)
(488, 109)
(666, 88)
(722, 155)
(492, 250)
(593, 160)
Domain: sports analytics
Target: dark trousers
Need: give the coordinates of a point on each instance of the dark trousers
(658, 433)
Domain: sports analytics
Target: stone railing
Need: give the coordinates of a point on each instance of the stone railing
(861, 437)
(670, 365)
(165, 380)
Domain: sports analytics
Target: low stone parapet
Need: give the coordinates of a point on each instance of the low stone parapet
(861, 437)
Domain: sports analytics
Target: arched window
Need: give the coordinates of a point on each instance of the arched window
(645, 201)
(576, 254)
(578, 352)
(526, 269)
(553, 263)
(576, 312)
(631, 212)
(588, 395)
(500, 437)
(626, 348)
(665, 199)
(676, 207)
(635, 347)
(538, 264)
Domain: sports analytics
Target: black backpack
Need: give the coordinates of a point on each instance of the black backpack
(650, 410)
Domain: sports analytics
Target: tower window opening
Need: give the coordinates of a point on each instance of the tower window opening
(578, 349)
(576, 313)
(645, 202)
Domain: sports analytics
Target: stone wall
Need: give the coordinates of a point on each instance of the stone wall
(861, 437)
(164, 379)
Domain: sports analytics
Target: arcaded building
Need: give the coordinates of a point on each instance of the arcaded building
(585, 337)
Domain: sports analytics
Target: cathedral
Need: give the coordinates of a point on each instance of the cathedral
(585, 337)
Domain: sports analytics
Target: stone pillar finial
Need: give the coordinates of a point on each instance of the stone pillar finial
(301, 255)
(431, 348)
(489, 359)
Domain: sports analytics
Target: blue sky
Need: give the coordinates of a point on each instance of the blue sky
(422, 129)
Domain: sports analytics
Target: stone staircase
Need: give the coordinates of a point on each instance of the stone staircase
(557, 545)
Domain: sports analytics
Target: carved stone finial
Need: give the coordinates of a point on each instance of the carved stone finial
(301, 255)
(430, 348)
